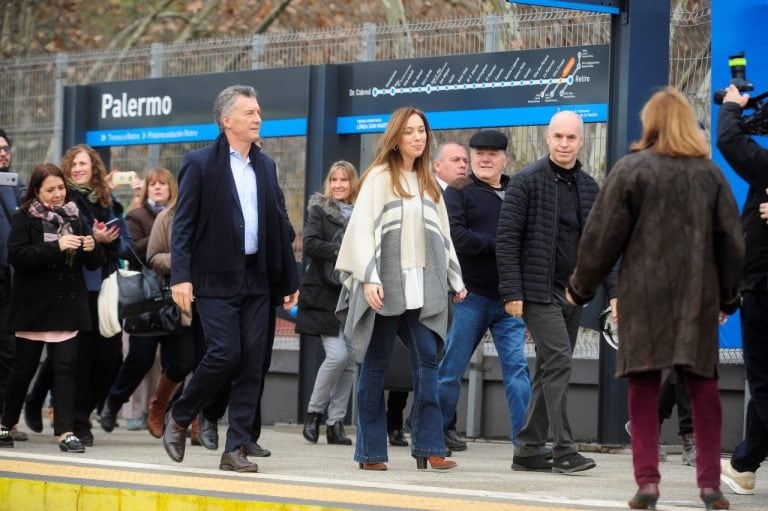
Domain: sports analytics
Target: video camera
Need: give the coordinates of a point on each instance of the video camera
(757, 122)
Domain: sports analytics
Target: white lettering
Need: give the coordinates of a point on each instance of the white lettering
(148, 106)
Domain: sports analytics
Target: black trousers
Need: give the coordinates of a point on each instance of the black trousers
(673, 392)
(99, 360)
(7, 342)
(235, 330)
(396, 402)
(63, 357)
(177, 355)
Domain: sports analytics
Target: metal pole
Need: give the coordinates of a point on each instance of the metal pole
(56, 149)
(157, 64)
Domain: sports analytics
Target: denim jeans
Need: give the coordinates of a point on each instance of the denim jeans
(471, 319)
(426, 422)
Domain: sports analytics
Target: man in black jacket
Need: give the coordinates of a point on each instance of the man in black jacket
(9, 200)
(473, 204)
(545, 208)
(750, 162)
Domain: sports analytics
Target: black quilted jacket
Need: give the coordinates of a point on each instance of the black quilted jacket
(527, 233)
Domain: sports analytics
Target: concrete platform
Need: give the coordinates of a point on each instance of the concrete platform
(130, 471)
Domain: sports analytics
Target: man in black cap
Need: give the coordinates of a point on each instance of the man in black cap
(540, 224)
(473, 204)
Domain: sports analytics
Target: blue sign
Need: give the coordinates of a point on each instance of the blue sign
(605, 6)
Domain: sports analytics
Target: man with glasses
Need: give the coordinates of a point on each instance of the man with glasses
(9, 205)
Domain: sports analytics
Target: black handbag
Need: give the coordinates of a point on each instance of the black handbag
(140, 293)
(164, 321)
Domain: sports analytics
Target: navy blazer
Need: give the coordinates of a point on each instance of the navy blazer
(207, 238)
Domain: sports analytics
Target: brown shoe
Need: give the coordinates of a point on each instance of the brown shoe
(195, 435)
(174, 438)
(158, 403)
(236, 461)
(436, 462)
(373, 466)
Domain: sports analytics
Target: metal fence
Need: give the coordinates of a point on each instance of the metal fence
(31, 91)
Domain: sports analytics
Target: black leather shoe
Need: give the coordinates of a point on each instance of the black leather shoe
(85, 437)
(33, 415)
(453, 441)
(236, 461)
(108, 417)
(6, 440)
(312, 426)
(174, 438)
(397, 438)
(209, 433)
(336, 434)
(71, 444)
(254, 449)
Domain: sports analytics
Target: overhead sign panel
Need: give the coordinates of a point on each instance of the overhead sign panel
(482, 90)
(180, 109)
(605, 6)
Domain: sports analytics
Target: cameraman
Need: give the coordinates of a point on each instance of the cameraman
(750, 162)
(9, 205)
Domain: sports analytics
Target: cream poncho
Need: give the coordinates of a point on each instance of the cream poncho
(370, 253)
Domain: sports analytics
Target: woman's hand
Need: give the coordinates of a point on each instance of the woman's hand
(88, 243)
(514, 308)
(764, 209)
(374, 295)
(722, 317)
(104, 234)
(69, 242)
(614, 302)
(460, 296)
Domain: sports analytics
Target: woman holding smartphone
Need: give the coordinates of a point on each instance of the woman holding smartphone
(99, 357)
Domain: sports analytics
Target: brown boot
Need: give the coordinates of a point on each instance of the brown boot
(195, 436)
(157, 405)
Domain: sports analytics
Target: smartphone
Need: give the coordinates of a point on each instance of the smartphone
(109, 224)
(9, 179)
(123, 178)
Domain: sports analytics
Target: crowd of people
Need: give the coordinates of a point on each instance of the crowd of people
(428, 252)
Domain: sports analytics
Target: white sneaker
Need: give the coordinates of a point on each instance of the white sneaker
(742, 483)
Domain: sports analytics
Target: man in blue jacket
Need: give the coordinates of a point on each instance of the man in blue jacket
(473, 204)
(544, 210)
(231, 254)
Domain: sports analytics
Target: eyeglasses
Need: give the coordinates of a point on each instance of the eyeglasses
(5, 149)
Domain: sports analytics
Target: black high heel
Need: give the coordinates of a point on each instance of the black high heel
(646, 497)
(713, 498)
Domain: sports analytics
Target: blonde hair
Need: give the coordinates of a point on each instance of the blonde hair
(164, 176)
(388, 154)
(98, 172)
(670, 127)
(350, 171)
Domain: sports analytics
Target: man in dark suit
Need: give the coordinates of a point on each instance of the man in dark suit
(230, 253)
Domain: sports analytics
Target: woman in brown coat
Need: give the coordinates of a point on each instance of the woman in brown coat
(668, 212)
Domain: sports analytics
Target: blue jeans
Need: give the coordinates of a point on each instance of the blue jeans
(426, 423)
(471, 319)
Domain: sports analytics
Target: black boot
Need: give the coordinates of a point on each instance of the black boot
(108, 417)
(312, 426)
(336, 434)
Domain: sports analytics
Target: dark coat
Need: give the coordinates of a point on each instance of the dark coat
(675, 224)
(323, 230)
(207, 237)
(473, 209)
(750, 161)
(47, 294)
(139, 221)
(527, 235)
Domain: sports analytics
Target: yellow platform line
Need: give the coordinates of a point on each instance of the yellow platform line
(26, 485)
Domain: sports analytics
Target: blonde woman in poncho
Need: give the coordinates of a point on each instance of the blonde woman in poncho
(399, 273)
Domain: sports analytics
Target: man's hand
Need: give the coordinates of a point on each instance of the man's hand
(722, 318)
(732, 95)
(614, 302)
(374, 295)
(568, 297)
(514, 308)
(183, 296)
(764, 209)
(290, 300)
